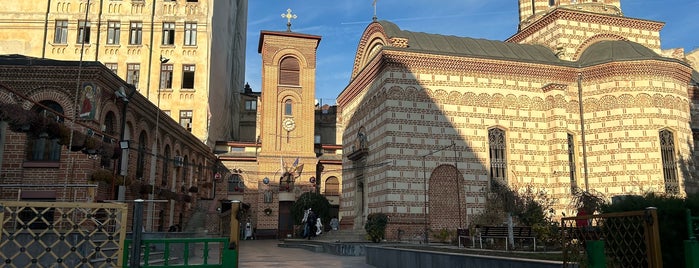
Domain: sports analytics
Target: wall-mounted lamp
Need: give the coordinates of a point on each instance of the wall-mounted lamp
(124, 144)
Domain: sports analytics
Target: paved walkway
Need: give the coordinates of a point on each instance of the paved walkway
(266, 253)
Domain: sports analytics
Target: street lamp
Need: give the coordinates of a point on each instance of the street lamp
(123, 143)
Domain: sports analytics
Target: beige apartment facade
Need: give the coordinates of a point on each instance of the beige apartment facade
(186, 56)
(577, 99)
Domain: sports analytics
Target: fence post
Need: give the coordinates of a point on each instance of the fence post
(655, 258)
(230, 254)
(137, 232)
(595, 254)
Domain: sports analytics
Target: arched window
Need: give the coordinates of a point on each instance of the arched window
(332, 186)
(141, 161)
(110, 123)
(41, 145)
(166, 166)
(288, 107)
(498, 160)
(289, 71)
(667, 151)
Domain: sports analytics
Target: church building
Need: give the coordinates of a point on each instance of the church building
(579, 98)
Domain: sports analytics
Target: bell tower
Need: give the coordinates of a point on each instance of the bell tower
(286, 122)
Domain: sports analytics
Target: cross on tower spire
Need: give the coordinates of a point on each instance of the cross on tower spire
(288, 16)
(374, 4)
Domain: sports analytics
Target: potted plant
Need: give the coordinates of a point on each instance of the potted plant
(78, 141)
(107, 150)
(103, 175)
(92, 144)
(18, 119)
(268, 211)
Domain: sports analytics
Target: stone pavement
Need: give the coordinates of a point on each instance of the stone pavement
(266, 253)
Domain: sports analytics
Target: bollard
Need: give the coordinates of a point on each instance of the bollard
(595, 254)
(137, 232)
(691, 253)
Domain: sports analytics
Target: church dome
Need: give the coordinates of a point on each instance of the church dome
(617, 50)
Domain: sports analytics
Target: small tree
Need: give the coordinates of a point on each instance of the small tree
(375, 226)
(318, 202)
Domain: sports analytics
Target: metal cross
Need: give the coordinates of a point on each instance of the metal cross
(288, 16)
(374, 4)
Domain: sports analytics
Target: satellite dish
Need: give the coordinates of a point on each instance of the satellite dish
(265, 180)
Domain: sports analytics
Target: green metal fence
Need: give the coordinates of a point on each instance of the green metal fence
(183, 252)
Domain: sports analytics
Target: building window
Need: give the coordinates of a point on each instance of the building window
(332, 186)
(166, 76)
(42, 146)
(186, 119)
(289, 71)
(112, 66)
(83, 32)
(571, 164)
(188, 76)
(168, 33)
(191, 1)
(133, 73)
(288, 107)
(251, 105)
(235, 183)
(113, 32)
(667, 150)
(166, 166)
(136, 33)
(60, 36)
(498, 161)
(141, 160)
(190, 34)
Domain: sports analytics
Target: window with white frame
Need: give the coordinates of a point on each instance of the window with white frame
(133, 73)
(113, 32)
(186, 119)
(188, 76)
(168, 33)
(190, 34)
(83, 32)
(166, 76)
(136, 33)
(60, 35)
(112, 66)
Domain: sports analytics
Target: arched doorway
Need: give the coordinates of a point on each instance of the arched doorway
(446, 198)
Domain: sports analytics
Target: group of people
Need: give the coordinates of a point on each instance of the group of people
(312, 226)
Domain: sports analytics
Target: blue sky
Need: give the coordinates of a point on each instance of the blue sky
(340, 23)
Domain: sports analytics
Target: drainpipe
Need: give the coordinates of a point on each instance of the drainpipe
(99, 30)
(46, 29)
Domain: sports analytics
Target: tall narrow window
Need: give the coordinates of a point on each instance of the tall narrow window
(112, 66)
(44, 146)
(498, 161)
(133, 73)
(188, 76)
(235, 183)
(136, 33)
(142, 149)
(60, 36)
(168, 33)
(552, 3)
(166, 76)
(166, 166)
(190, 34)
(288, 107)
(113, 32)
(289, 71)
(667, 151)
(83, 32)
(186, 119)
(571, 163)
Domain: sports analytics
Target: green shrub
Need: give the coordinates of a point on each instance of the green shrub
(376, 226)
(318, 202)
(444, 235)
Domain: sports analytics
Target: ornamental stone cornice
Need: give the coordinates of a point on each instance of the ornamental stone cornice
(587, 17)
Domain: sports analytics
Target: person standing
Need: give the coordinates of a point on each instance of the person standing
(310, 224)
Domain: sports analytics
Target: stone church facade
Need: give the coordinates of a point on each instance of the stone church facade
(579, 98)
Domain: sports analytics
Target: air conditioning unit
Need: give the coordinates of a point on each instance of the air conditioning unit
(179, 161)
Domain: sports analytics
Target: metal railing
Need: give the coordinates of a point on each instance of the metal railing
(187, 252)
(58, 234)
(630, 239)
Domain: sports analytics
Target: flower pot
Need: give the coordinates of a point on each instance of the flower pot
(78, 141)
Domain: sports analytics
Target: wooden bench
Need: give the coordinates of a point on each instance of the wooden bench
(269, 233)
(465, 234)
(518, 232)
